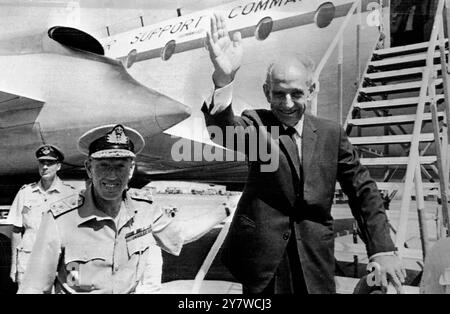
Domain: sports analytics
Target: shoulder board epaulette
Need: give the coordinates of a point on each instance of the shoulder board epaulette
(29, 184)
(69, 185)
(66, 204)
(141, 195)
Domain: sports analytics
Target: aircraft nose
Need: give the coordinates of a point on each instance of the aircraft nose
(170, 113)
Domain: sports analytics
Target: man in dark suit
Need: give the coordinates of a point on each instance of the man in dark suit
(281, 239)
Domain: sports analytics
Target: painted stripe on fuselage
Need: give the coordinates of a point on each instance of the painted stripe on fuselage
(246, 32)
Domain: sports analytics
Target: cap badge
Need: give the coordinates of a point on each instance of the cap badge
(46, 150)
(117, 136)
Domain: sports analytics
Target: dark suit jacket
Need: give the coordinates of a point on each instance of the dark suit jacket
(273, 204)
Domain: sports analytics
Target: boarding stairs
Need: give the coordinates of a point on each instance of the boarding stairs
(398, 123)
(382, 119)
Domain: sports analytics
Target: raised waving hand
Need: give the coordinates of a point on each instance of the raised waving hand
(225, 53)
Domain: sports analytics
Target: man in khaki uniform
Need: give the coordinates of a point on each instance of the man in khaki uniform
(26, 211)
(106, 239)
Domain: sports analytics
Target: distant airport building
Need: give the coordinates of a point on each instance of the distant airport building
(181, 187)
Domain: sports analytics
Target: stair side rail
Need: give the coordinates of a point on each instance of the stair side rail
(446, 81)
(414, 150)
(338, 43)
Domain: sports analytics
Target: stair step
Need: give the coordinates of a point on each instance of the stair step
(393, 103)
(371, 151)
(395, 87)
(403, 59)
(389, 139)
(403, 49)
(430, 188)
(359, 248)
(395, 161)
(398, 119)
(398, 73)
(399, 186)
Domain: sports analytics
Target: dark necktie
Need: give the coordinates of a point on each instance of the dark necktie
(291, 132)
(298, 184)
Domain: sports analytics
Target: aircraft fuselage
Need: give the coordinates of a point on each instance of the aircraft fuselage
(53, 94)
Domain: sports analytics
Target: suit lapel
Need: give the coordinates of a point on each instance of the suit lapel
(309, 141)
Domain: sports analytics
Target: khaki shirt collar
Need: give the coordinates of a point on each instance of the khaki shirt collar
(57, 186)
(127, 212)
(88, 211)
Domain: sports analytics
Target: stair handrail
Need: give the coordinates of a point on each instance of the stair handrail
(356, 5)
(338, 40)
(446, 81)
(414, 150)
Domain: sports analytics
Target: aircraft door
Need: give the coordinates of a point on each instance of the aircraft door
(411, 21)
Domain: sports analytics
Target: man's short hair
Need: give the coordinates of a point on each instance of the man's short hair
(302, 59)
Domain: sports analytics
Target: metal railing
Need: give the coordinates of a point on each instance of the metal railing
(413, 173)
(338, 43)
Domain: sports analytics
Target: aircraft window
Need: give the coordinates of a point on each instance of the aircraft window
(168, 50)
(325, 14)
(264, 28)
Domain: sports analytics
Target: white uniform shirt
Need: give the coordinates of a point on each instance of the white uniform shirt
(27, 209)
